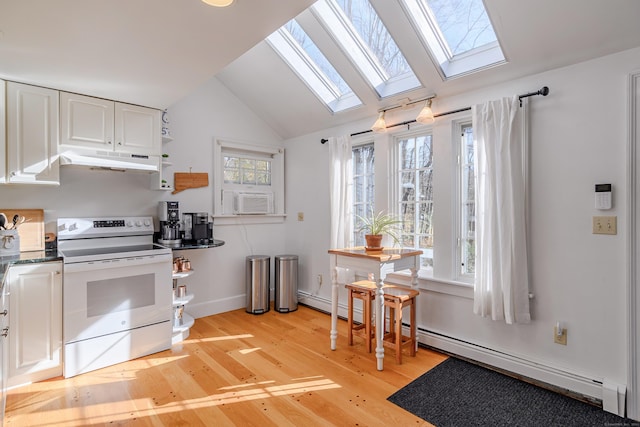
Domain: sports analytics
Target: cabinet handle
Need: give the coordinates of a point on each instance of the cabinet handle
(5, 332)
(109, 142)
(4, 313)
(120, 143)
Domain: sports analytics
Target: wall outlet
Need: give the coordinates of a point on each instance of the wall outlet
(605, 225)
(560, 339)
(300, 216)
(319, 279)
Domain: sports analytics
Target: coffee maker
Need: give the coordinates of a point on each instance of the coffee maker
(169, 217)
(197, 228)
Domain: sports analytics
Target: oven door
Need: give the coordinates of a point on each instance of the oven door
(109, 296)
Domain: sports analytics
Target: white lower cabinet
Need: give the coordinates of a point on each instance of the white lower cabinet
(35, 318)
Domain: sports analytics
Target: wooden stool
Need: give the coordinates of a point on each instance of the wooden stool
(364, 290)
(397, 298)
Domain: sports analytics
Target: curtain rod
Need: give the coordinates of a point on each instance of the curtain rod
(544, 91)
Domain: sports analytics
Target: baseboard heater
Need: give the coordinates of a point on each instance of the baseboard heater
(606, 394)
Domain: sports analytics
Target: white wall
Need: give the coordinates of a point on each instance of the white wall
(212, 112)
(578, 139)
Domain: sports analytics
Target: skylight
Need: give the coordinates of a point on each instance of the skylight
(304, 57)
(458, 33)
(357, 28)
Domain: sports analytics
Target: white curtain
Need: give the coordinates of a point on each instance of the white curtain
(502, 278)
(341, 186)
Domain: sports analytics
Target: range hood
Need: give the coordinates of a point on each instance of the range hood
(105, 160)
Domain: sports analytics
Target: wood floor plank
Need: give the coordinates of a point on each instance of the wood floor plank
(235, 369)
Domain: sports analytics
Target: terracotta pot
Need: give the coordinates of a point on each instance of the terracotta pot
(373, 242)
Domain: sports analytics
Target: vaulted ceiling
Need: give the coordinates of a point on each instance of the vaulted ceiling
(155, 52)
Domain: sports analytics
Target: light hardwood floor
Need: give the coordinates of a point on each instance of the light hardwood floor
(235, 369)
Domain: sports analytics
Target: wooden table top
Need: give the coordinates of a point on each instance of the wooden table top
(385, 255)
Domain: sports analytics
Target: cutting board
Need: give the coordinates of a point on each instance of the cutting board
(31, 232)
(184, 180)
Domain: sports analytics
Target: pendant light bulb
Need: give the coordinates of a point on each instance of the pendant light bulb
(380, 126)
(426, 114)
(218, 3)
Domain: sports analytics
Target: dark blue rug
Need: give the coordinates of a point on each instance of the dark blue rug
(460, 394)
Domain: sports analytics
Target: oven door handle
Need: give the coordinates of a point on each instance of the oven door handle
(117, 263)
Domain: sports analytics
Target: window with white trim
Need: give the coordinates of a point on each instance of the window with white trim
(414, 180)
(466, 203)
(252, 174)
(363, 187)
(247, 170)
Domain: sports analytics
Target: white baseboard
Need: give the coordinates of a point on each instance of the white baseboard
(591, 388)
(210, 308)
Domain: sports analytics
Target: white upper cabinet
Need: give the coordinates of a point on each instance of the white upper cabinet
(32, 134)
(137, 129)
(86, 122)
(102, 124)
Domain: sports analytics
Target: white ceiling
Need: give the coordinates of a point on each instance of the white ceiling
(148, 52)
(155, 52)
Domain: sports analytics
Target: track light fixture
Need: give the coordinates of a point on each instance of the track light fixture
(426, 114)
(380, 126)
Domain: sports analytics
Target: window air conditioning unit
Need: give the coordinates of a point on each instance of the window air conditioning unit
(254, 203)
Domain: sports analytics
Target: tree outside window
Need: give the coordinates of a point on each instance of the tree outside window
(467, 203)
(363, 187)
(415, 204)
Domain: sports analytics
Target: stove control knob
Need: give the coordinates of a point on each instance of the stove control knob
(73, 226)
(62, 227)
(129, 223)
(138, 223)
(147, 223)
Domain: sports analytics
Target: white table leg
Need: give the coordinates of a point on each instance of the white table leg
(414, 285)
(333, 334)
(379, 323)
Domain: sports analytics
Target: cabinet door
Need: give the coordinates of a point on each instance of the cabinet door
(3, 134)
(85, 122)
(137, 129)
(4, 347)
(32, 134)
(35, 316)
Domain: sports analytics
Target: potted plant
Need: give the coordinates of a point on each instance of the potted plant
(375, 226)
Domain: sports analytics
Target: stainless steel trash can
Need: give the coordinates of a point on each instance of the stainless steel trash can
(286, 287)
(257, 279)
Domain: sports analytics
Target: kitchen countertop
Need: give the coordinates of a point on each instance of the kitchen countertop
(30, 257)
(187, 246)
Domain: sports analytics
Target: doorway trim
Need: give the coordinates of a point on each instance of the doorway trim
(633, 249)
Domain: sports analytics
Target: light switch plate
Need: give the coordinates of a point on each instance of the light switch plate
(605, 225)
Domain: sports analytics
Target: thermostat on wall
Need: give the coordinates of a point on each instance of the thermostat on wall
(603, 196)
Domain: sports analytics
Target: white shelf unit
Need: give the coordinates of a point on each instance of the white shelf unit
(181, 331)
(160, 176)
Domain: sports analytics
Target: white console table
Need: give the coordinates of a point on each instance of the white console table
(379, 264)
